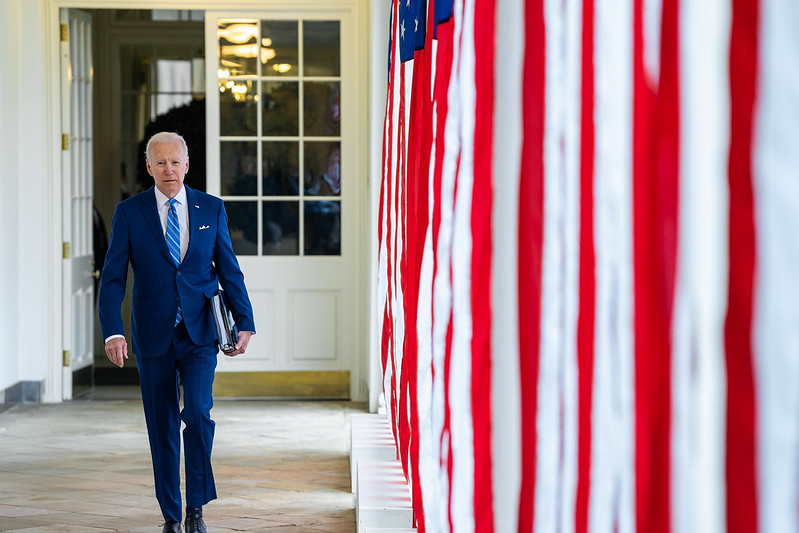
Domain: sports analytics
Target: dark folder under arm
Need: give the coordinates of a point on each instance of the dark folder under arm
(226, 331)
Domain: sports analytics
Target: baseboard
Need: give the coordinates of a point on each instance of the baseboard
(21, 392)
(327, 384)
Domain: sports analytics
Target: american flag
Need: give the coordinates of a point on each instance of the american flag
(588, 267)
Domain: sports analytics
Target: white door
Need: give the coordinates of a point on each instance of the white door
(282, 146)
(76, 168)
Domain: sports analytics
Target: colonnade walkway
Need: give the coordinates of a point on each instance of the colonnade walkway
(84, 466)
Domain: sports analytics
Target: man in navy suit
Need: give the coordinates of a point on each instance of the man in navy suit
(173, 334)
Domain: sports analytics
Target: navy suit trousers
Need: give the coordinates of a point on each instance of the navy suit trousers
(191, 366)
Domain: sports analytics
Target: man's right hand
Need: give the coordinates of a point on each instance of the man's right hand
(117, 351)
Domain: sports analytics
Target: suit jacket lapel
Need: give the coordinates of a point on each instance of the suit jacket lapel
(193, 208)
(150, 212)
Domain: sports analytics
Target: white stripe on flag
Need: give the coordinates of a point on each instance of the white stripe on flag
(461, 362)
(429, 456)
(776, 313)
(442, 288)
(506, 394)
(429, 450)
(612, 505)
(698, 389)
(548, 417)
(399, 232)
(557, 399)
(571, 255)
(653, 11)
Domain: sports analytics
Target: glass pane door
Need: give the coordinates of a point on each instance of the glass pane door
(283, 153)
(280, 164)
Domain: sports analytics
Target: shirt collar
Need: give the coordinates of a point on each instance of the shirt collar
(161, 198)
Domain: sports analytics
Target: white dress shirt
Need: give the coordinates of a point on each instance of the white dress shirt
(183, 216)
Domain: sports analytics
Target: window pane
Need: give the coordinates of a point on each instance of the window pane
(133, 108)
(173, 84)
(157, 15)
(322, 168)
(238, 48)
(131, 158)
(173, 75)
(243, 226)
(239, 166)
(322, 108)
(281, 228)
(281, 108)
(281, 164)
(237, 108)
(323, 228)
(135, 67)
(321, 49)
(174, 52)
(279, 48)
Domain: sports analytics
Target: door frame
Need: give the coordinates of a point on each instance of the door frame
(336, 276)
(78, 261)
(361, 380)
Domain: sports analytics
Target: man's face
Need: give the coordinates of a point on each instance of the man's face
(168, 166)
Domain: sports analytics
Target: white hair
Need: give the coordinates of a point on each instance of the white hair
(166, 137)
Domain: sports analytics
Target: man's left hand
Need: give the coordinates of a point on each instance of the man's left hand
(241, 346)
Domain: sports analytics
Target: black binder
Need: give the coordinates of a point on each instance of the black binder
(226, 331)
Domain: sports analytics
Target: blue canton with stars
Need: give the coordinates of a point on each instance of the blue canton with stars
(411, 27)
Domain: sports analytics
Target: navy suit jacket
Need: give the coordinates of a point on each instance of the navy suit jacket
(137, 237)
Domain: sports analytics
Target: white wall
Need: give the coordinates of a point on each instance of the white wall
(36, 243)
(10, 33)
(26, 240)
(377, 89)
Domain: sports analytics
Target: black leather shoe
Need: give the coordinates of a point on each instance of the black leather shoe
(194, 523)
(172, 527)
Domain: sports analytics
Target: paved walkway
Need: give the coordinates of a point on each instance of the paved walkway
(84, 466)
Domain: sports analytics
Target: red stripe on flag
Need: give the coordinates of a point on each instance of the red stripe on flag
(403, 429)
(385, 334)
(741, 459)
(448, 364)
(418, 176)
(424, 211)
(388, 183)
(655, 199)
(484, 46)
(440, 96)
(443, 76)
(398, 392)
(531, 242)
(667, 158)
(587, 281)
(446, 434)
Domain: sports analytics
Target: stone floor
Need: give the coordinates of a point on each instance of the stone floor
(84, 466)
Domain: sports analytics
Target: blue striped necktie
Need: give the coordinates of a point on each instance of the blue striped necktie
(173, 242)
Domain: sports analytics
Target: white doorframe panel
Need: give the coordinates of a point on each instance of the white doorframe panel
(78, 174)
(357, 32)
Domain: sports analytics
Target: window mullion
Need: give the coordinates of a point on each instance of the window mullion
(301, 63)
(259, 147)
